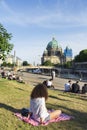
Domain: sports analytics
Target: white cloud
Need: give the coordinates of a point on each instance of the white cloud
(44, 18)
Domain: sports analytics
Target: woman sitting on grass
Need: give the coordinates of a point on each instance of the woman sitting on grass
(38, 107)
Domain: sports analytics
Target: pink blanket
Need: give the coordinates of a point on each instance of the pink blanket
(62, 117)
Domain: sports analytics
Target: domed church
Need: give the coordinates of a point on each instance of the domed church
(54, 53)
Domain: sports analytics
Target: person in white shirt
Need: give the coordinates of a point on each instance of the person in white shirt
(48, 83)
(38, 107)
(68, 86)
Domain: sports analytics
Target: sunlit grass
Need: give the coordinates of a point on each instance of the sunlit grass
(14, 96)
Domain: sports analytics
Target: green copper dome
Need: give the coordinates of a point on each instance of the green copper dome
(52, 44)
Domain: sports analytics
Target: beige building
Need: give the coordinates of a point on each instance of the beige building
(12, 60)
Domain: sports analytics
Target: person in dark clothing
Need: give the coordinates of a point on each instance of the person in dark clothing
(3, 74)
(84, 89)
(75, 87)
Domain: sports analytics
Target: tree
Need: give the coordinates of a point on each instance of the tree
(48, 63)
(82, 57)
(25, 63)
(68, 64)
(5, 45)
(4, 64)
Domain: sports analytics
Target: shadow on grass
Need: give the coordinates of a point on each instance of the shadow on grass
(20, 89)
(58, 98)
(80, 118)
(78, 114)
(9, 108)
(74, 95)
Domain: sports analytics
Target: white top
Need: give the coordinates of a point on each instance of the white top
(38, 108)
(67, 86)
(53, 73)
(49, 83)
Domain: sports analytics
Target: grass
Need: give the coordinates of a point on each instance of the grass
(14, 96)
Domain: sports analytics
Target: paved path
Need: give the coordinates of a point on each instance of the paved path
(34, 79)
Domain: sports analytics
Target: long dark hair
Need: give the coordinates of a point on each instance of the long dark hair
(39, 91)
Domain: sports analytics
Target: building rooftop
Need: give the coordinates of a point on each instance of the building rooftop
(52, 44)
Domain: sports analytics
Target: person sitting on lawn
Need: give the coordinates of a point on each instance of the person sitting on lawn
(68, 86)
(10, 77)
(48, 83)
(19, 79)
(39, 95)
(75, 87)
(3, 74)
(84, 89)
(14, 77)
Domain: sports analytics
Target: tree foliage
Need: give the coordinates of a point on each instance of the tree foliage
(68, 64)
(25, 63)
(7, 64)
(5, 45)
(82, 57)
(48, 63)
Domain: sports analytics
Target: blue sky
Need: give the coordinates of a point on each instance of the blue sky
(33, 23)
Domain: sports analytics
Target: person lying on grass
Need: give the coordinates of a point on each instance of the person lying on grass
(38, 107)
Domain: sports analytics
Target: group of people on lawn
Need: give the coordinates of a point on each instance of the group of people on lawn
(75, 87)
(11, 76)
(38, 97)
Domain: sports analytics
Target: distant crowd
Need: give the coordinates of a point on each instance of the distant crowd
(68, 87)
(39, 95)
(11, 76)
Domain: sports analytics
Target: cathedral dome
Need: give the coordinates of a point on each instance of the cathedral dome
(52, 44)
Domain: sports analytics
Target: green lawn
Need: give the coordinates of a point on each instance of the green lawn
(14, 96)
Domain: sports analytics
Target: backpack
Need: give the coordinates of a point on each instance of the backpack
(25, 112)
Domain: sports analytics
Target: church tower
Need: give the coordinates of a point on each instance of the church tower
(68, 54)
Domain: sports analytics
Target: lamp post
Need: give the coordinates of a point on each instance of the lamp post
(39, 59)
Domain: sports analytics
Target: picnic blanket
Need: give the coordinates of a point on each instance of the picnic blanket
(62, 117)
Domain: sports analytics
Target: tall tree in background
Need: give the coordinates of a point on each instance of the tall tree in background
(82, 57)
(5, 45)
(25, 63)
